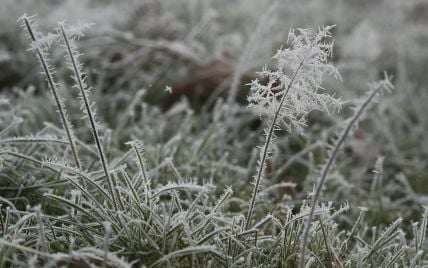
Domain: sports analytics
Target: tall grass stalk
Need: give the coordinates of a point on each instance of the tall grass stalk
(265, 149)
(42, 54)
(376, 88)
(307, 59)
(76, 67)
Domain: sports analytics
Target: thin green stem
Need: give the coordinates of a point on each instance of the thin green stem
(52, 86)
(89, 112)
(326, 170)
(266, 146)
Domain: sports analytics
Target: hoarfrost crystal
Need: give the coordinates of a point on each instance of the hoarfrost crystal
(294, 88)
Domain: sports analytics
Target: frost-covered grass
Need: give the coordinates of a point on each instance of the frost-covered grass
(311, 172)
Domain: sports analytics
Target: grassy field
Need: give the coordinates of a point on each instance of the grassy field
(213, 133)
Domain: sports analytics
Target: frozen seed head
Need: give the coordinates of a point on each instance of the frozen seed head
(300, 69)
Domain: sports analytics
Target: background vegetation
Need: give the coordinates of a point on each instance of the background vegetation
(181, 198)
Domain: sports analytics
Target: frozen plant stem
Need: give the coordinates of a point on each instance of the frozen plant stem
(266, 146)
(41, 241)
(83, 88)
(138, 148)
(330, 162)
(53, 86)
(290, 98)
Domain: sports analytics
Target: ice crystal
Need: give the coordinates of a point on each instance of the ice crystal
(294, 88)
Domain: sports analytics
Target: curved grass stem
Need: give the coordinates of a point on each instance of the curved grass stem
(359, 111)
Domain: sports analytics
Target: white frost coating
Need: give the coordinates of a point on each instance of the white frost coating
(299, 71)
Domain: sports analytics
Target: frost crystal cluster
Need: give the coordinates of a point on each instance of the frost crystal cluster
(294, 89)
(290, 92)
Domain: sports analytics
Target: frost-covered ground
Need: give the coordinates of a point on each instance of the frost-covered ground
(222, 134)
